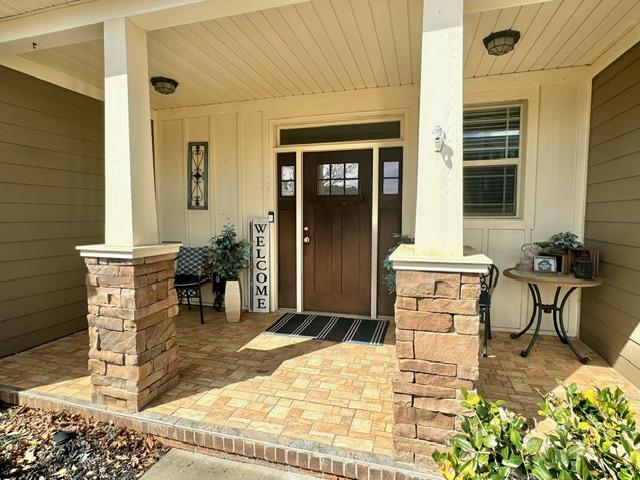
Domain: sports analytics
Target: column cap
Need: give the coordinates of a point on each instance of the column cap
(472, 261)
(127, 252)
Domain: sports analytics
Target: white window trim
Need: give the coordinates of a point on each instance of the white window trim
(503, 92)
(518, 162)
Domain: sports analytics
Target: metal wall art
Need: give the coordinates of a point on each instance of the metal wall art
(198, 171)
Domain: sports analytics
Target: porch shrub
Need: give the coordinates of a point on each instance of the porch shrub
(594, 437)
(226, 255)
(390, 276)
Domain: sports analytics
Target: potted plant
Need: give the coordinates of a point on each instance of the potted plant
(559, 245)
(227, 257)
(390, 276)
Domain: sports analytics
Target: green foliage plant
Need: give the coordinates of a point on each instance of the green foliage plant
(594, 437)
(226, 255)
(560, 242)
(390, 276)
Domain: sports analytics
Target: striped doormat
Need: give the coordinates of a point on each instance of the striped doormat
(335, 329)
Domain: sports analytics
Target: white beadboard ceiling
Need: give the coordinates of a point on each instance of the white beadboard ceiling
(15, 8)
(334, 45)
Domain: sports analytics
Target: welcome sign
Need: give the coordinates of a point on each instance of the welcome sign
(259, 228)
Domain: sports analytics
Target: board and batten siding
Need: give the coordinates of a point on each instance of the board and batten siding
(243, 168)
(51, 199)
(611, 313)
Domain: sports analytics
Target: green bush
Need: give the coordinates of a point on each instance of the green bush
(390, 276)
(226, 255)
(594, 437)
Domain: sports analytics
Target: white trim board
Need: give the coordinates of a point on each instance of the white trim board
(274, 127)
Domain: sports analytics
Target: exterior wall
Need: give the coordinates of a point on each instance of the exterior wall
(51, 199)
(611, 313)
(240, 141)
(242, 163)
(552, 188)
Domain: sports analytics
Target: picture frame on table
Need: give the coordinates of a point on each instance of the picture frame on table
(545, 264)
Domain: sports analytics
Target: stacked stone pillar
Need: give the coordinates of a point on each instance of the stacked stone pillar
(133, 354)
(437, 344)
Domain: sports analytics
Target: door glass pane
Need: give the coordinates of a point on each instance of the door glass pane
(391, 169)
(390, 186)
(323, 187)
(324, 170)
(288, 188)
(287, 172)
(337, 170)
(351, 170)
(337, 187)
(351, 187)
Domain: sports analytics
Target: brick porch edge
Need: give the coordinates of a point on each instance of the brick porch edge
(133, 354)
(196, 436)
(437, 347)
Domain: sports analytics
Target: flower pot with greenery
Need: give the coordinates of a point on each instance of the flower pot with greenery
(227, 257)
(390, 275)
(559, 245)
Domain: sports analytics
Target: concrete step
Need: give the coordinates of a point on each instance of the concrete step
(184, 465)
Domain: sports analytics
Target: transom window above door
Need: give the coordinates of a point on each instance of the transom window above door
(348, 132)
(337, 179)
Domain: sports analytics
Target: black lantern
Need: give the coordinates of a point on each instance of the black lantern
(164, 85)
(499, 43)
(583, 266)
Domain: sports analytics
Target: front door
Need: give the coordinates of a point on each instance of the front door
(337, 231)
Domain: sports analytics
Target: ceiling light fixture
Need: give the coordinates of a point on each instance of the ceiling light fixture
(499, 43)
(164, 85)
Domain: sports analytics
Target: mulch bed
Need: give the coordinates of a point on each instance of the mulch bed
(96, 450)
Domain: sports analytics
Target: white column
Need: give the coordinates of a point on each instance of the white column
(130, 203)
(439, 217)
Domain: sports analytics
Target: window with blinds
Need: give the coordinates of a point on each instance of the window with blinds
(492, 160)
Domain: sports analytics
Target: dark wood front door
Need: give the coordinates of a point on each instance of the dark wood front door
(337, 231)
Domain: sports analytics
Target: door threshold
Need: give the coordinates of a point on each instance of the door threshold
(338, 314)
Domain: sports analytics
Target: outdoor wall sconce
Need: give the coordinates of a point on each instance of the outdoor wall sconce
(164, 85)
(438, 138)
(499, 43)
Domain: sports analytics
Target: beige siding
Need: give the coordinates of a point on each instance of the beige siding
(51, 199)
(611, 313)
(242, 169)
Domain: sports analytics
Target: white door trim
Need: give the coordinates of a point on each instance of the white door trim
(299, 151)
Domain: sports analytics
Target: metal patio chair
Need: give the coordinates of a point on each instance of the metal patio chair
(488, 283)
(191, 274)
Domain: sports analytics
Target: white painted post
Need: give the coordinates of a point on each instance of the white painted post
(439, 217)
(130, 203)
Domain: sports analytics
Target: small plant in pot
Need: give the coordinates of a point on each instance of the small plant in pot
(559, 243)
(390, 276)
(227, 257)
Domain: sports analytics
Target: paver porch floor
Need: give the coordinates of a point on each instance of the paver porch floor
(338, 395)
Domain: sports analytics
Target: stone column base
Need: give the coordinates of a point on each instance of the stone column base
(437, 345)
(133, 354)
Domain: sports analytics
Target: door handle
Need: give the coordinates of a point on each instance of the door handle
(306, 240)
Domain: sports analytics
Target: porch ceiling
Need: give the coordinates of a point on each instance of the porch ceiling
(13, 8)
(333, 45)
